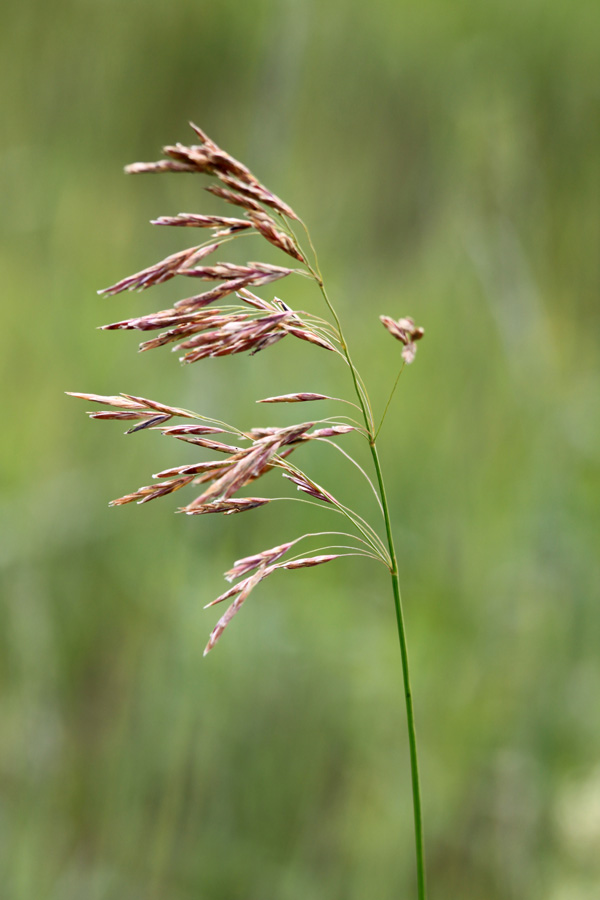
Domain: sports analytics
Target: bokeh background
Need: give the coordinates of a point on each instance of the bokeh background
(446, 158)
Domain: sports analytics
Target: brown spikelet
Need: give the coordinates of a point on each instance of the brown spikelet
(196, 468)
(162, 271)
(267, 226)
(331, 431)
(228, 594)
(249, 563)
(234, 608)
(308, 561)
(267, 341)
(260, 194)
(203, 442)
(160, 407)
(295, 398)
(161, 319)
(202, 135)
(267, 272)
(305, 484)
(152, 491)
(404, 330)
(153, 422)
(253, 299)
(193, 220)
(257, 273)
(216, 293)
(241, 504)
(306, 334)
(135, 408)
(163, 165)
(236, 199)
(121, 414)
(224, 271)
(193, 430)
(122, 401)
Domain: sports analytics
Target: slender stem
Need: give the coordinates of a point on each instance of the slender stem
(358, 386)
(367, 530)
(410, 718)
(354, 463)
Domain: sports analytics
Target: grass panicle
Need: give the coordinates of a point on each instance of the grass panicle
(202, 326)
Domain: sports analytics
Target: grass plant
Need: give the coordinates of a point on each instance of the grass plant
(230, 318)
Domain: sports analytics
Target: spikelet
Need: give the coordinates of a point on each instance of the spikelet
(404, 330)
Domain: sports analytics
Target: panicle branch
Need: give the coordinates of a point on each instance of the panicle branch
(222, 332)
(208, 158)
(266, 567)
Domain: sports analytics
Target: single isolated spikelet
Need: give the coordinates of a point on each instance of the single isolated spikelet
(404, 330)
(295, 398)
(226, 506)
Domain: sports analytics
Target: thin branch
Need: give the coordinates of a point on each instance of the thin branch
(358, 466)
(387, 405)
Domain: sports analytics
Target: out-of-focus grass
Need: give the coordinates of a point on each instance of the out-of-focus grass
(446, 158)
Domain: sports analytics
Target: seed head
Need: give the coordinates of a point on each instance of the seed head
(404, 330)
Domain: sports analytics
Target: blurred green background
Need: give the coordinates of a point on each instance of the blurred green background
(446, 158)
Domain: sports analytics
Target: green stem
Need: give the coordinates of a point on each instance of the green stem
(410, 717)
